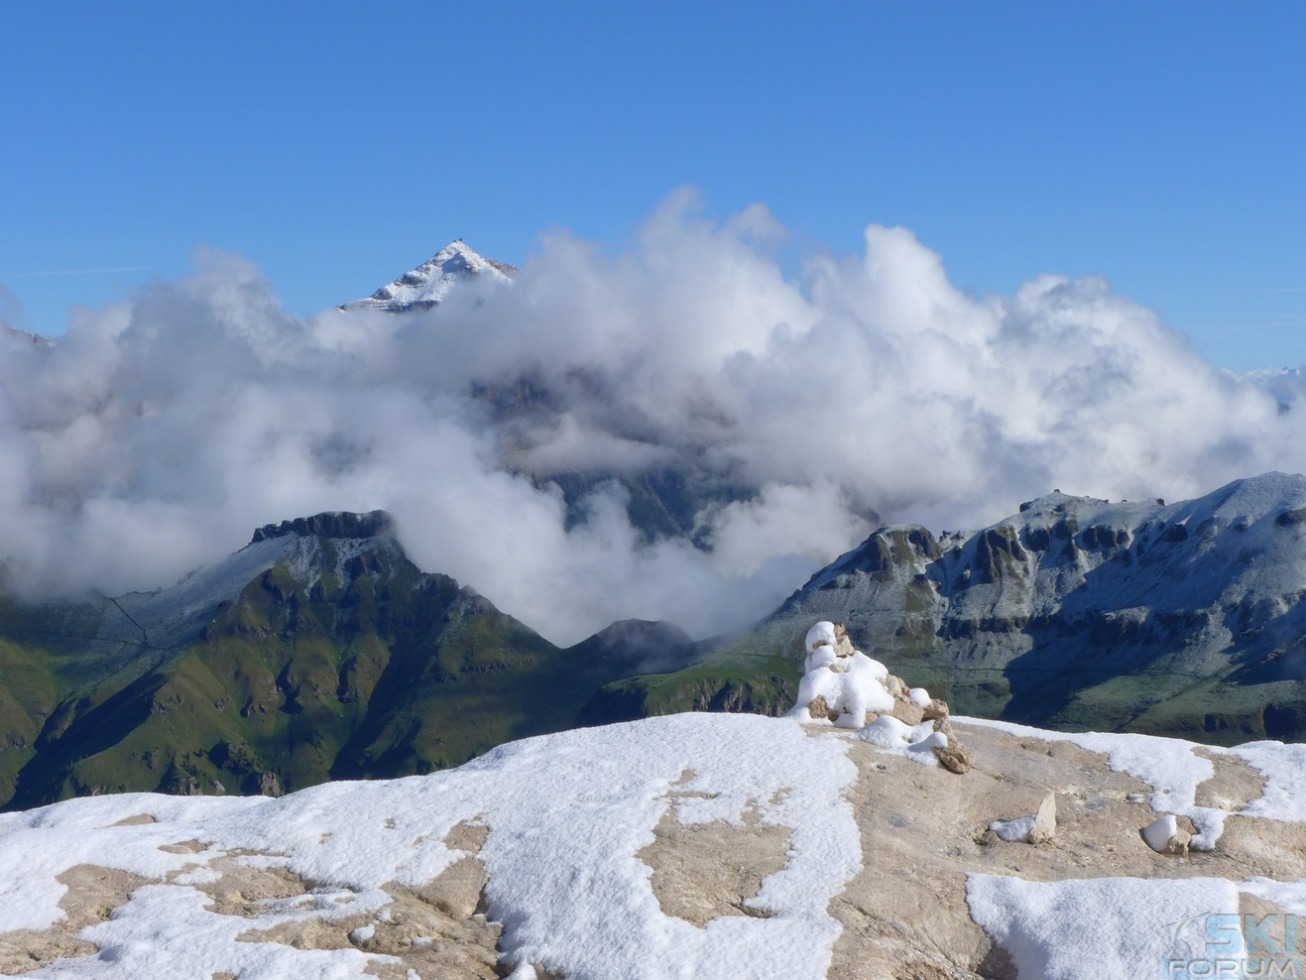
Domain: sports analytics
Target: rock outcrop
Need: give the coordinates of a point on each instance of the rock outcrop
(1185, 619)
(334, 524)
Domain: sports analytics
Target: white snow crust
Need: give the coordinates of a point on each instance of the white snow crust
(566, 816)
(1118, 928)
(1159, 832)
(1016, 829)
(913, 742)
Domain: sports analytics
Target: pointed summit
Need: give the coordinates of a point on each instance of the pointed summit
(428, 284)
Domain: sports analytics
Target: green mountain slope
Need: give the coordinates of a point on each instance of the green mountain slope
(318, 652)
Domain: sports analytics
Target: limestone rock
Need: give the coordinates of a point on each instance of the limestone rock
(906, 712)
(954, 756)
(843, 646)
(1045, 821)
(935, 710)
(820, 708)
(269, 784)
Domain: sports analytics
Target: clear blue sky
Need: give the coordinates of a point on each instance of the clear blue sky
(1162, 145)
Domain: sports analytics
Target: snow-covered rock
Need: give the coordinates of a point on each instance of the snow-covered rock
(844, 687)
(1165, 836)
(1036, 828)
(840, 685)
(428, 284)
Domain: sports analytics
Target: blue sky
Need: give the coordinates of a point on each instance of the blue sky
(1161, 145)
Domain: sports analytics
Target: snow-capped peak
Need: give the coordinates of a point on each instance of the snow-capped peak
(23, 337)
(429, 283)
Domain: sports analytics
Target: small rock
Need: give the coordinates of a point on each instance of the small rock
(820, 709)
(843, 644)
(954, 756)
(1165, 836)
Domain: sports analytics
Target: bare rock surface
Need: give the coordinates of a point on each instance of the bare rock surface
(702, 871)
(1234, 785)
(437, 930)
(923, 831)
(93, 893)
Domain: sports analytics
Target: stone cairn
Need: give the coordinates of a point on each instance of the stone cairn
(830, 649)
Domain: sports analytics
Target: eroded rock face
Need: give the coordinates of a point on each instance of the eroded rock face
(333, 524)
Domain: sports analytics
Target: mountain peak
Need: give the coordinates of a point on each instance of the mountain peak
(23, 336)
(428, 284)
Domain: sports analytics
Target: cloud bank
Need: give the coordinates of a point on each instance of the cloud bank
(155, 435)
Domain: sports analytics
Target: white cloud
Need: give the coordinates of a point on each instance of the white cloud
(158, 433)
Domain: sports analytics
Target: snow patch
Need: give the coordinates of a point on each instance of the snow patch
(567, 815)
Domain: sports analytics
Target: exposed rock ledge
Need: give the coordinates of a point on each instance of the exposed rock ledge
(333, 524)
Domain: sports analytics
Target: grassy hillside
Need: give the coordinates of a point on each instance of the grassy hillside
(365, 667)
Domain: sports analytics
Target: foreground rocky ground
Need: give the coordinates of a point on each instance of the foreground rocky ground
(727, 846)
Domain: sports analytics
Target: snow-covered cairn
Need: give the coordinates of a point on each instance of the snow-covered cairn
(843, 686)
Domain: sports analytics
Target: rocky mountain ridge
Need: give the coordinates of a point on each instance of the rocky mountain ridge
(1183, 619)
(320, 651)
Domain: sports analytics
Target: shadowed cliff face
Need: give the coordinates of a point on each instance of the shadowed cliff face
(1079, 613)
